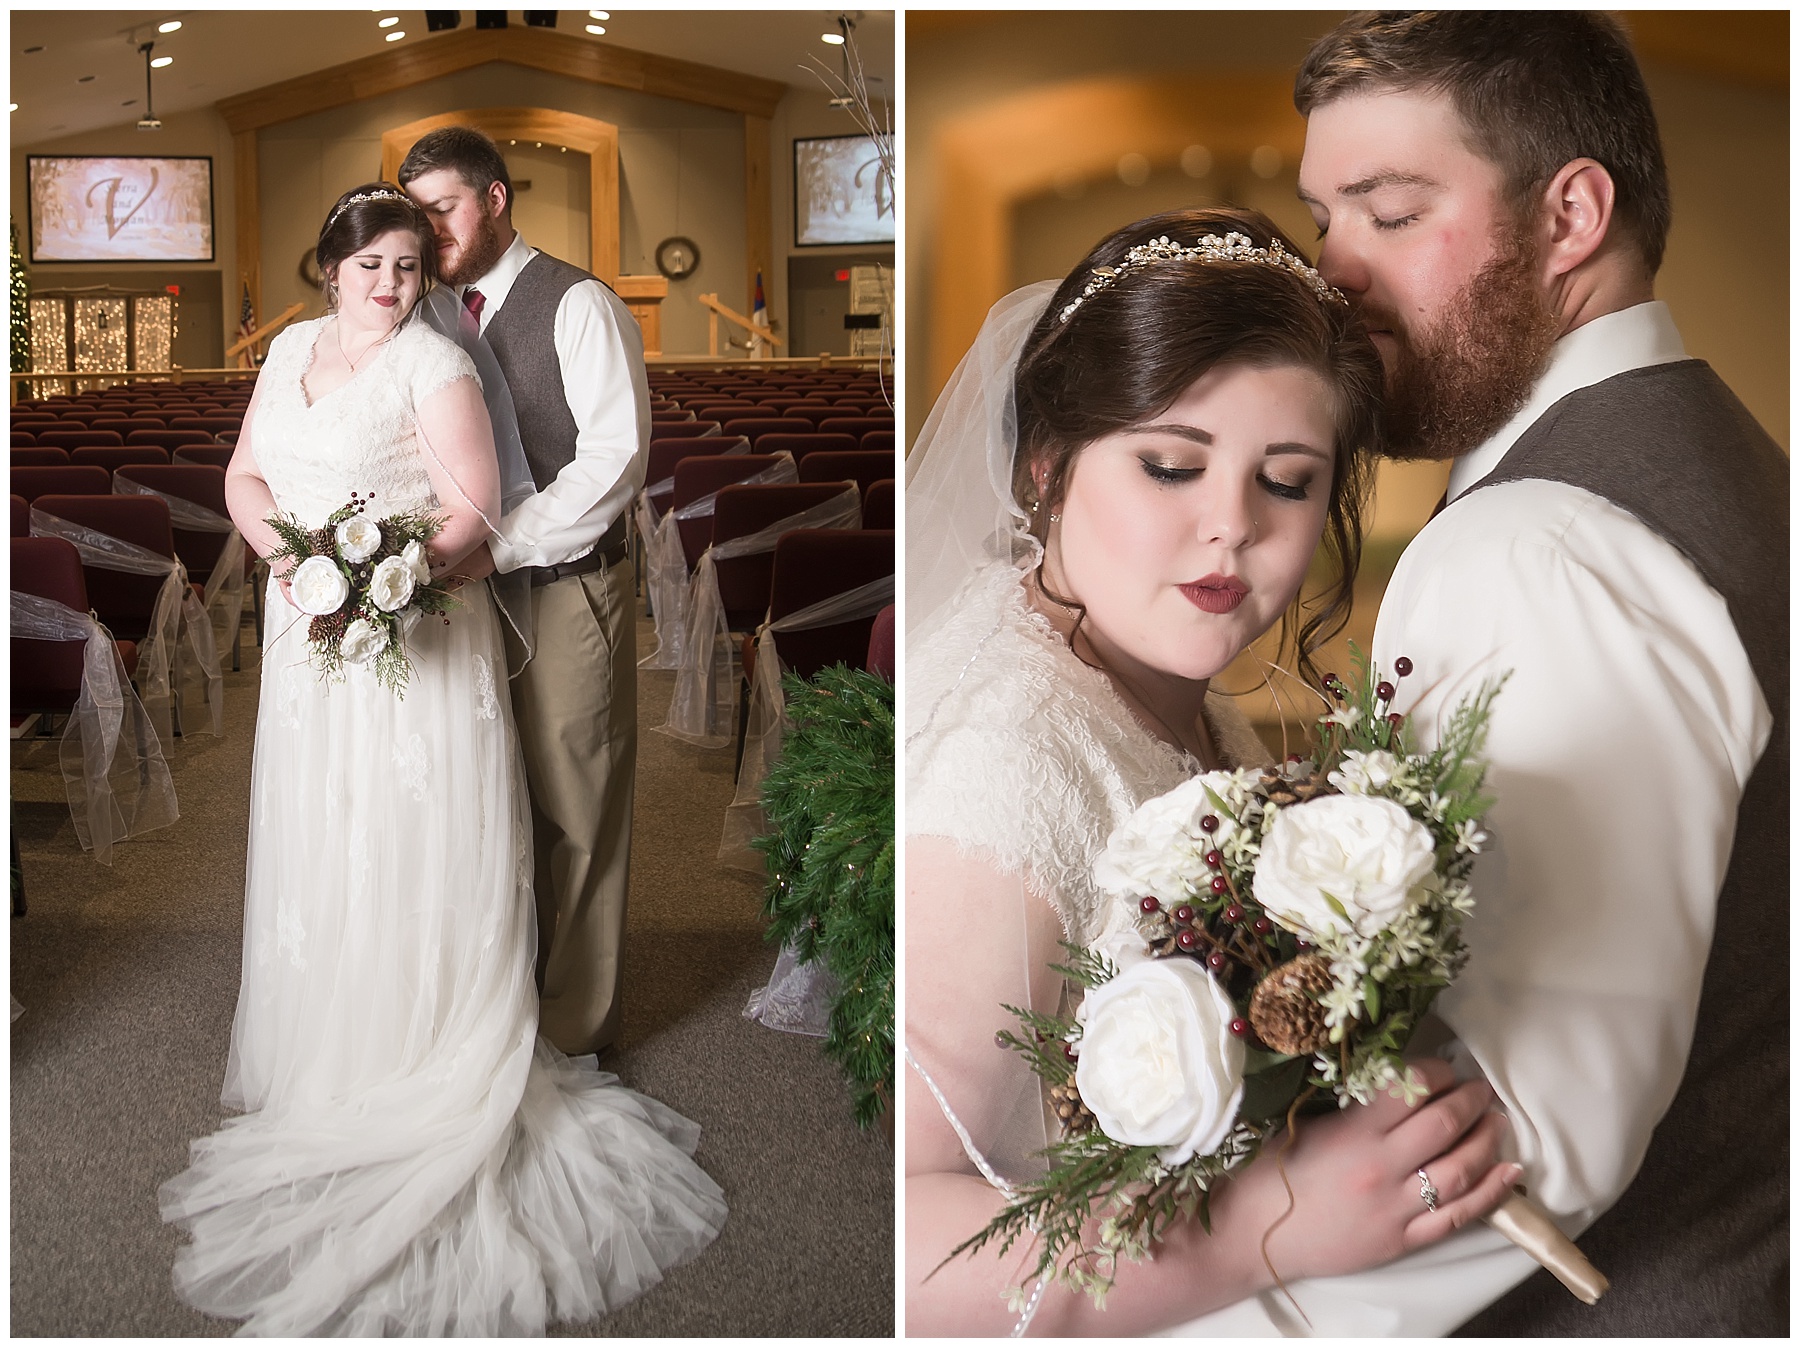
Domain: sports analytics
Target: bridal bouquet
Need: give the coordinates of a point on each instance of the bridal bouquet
(363, 583)
(1293, 925)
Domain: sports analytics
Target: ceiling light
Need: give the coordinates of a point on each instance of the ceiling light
(168, 27)
(395, 37)
(596, 30)
(835, 39)
(389, 22)
(12, 107)
(600, 14)
(162, 61)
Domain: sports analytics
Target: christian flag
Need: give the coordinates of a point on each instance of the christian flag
(759, 317)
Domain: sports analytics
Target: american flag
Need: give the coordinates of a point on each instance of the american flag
(759, 318)
(247, 325)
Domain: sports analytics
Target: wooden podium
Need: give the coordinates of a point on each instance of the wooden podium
(643, 295)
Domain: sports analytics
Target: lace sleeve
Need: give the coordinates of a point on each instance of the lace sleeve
(433, 361)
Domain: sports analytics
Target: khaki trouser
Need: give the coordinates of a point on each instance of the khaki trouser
(576, 708)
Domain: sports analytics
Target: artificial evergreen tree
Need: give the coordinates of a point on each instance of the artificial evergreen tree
(19, 298)
(829, 798)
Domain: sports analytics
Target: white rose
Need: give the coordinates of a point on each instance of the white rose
(1159, 1066)
(358, 538)
(1367, 853)
(1363, 774)
(318, 587)
(1161, 848)
(391, 586)
(413, 554)
(363, 641)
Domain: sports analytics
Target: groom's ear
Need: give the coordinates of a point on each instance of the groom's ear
(1577, 206)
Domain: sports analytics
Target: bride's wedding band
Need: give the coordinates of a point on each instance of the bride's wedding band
(1428, 1191)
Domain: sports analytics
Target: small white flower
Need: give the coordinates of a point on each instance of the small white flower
(1365, 774)
(391, 586)
(318, 587)
(1159, 1066)
(363, 641)
(1341, 862)
(1344, 716)
(1469, 837)
(413, 554)
(358, 538)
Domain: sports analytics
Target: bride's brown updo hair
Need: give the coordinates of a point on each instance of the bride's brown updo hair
(1131, 349)
(362, 215)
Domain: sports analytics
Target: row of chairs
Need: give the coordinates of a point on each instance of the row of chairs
(35, 424)
(831, 423)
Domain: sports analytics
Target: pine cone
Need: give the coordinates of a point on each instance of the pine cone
(1158, 929)
(1285, 1010)
(1066, 1101)
(1279, 790)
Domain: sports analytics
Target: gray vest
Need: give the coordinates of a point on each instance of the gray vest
(522, 333)
(1698, 1245)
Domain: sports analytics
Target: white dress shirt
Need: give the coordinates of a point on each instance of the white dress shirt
(601, 351)
(1619, 750)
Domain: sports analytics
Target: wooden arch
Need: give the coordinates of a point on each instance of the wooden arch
(598, 140)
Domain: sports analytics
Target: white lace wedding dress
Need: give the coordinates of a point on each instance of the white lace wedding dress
(412, 1159)
(1020, 758)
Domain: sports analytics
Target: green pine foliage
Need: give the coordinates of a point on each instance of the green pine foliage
(829, 798)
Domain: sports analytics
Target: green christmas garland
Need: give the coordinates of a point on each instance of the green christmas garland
(829, 798)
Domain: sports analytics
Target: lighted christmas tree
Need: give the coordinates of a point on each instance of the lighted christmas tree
(20, 300)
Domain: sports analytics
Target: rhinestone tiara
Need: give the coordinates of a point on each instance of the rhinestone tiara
(348, 202)
(1234, 247)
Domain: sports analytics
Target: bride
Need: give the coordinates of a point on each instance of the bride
(410, 1157)
(1123, 487)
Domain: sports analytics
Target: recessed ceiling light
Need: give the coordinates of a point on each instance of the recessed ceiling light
(389, 22)
(835, 39)
(162, 61)
(168, 27)
(600, 14)
(395, 37)
(12, 107)
(596, 30)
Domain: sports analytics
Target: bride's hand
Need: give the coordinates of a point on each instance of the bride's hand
(1357, 1199)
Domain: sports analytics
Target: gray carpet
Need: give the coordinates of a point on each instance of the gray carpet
(129, 976)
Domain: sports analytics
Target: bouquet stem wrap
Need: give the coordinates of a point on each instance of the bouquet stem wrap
(117, 781)
(176, 608)
(763, 728)
(1529, 1227)
(704, 708)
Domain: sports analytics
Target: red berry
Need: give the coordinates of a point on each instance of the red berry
(1184, 914)
(1234, 913)
(1301, 943)
(1187, 940)
(1149, 903)
(1295, 758)
(1328, 681)
(1240, 1027)
(1402, 667)
(1396, 720)
(1216, 960)
(1209, 823)
(1069, 1052)
(1385, 691)
(1213, 858)
(1262, 926)
(1218, 884)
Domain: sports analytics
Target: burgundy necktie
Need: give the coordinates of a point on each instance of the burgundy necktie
(473, 300)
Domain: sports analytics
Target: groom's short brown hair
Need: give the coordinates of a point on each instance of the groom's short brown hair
(1535, 90)
(474, 157)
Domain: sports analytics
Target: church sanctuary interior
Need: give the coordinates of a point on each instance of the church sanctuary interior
(730, 174)
(1030, 135)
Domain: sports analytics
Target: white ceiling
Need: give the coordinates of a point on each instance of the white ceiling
(219, 53)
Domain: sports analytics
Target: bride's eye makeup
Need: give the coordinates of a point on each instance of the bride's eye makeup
(1168, 474)
(1287, 491)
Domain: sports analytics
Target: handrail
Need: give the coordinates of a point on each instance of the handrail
(719, 311)
(281, 320)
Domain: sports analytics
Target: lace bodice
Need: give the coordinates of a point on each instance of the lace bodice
(1018, 750)
(360, 437)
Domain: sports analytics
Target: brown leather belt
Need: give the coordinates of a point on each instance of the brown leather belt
(609, 551)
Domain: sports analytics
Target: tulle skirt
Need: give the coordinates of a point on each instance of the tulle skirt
(412, 1159)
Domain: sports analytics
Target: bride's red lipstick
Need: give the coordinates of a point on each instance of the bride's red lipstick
(387, 301)
(1215, 593)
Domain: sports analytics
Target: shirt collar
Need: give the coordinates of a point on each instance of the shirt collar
(500, 277)
(1611, 344)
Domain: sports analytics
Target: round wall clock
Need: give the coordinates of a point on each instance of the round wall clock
(676, 257)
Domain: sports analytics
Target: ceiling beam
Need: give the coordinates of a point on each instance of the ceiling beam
(534, 48)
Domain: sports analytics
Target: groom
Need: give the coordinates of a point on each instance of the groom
(1494, 198)
(573, 357)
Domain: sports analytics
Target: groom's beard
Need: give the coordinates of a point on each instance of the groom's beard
(1452, 385)
(475, 260)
